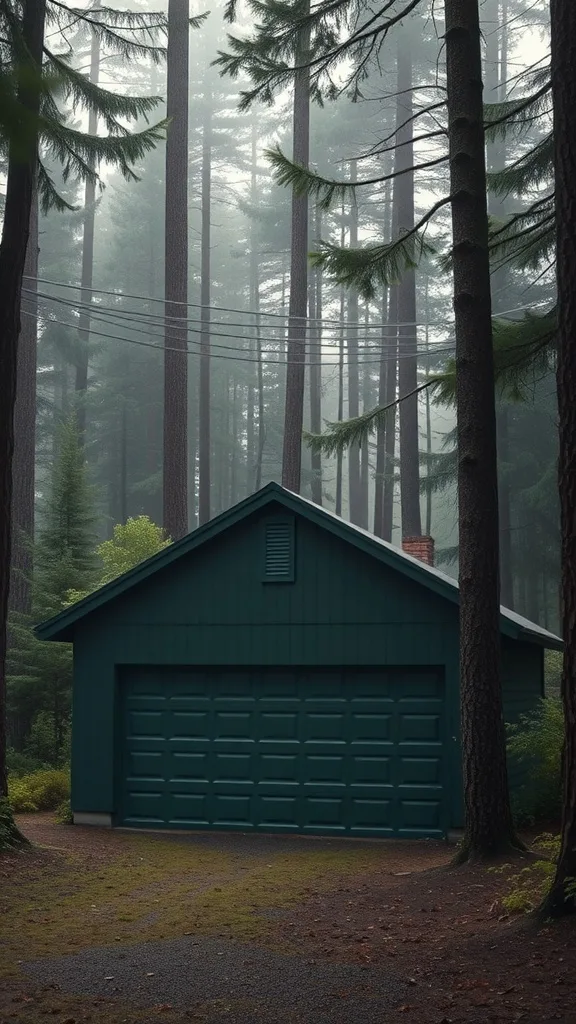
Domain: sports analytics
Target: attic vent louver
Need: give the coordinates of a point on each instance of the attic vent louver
(279, 551)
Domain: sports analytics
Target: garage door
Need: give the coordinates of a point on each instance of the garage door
(357, 753)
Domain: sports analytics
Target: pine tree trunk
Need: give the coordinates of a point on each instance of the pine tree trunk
(562, 897)
(489, 830)
(354, 485)
(381, 431)
(296, 345)
(175, 483)
(22, 165)
(341, 354)
(316, 367)
(390, 396)
(428, 527)
(382, 377)
(255, 473)
(407, 332)
(87, 272)
(24, 460)
(366, 405)
(340, 413)
(205, 295)
(496, 75)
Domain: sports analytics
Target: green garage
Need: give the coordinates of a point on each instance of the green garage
(278, 670)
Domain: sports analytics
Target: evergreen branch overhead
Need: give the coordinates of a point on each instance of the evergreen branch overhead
(528, 172)
(500, 119)
(523, 350)
(377, 265)
(342, 435)
(108, 105)
(79, 153)
(269, 55)
(108, 24)
(326, 190)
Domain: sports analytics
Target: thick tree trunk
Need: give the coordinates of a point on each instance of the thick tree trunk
(316, 367)
(428, 526)
(175, 461)
(390, 396)
(407, 332)
(382, 378)
(489, 829)
(87, 272)
(341, 355)
(381, 431)
(354, 483)
(367, 403)
(255, 469)
(22, 165)
(205, 295)
(562, 897)
(24, 461)
(296, 346)
(496, 74)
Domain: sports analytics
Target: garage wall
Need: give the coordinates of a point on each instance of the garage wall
(212, 609)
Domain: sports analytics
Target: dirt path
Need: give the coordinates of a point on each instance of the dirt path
(128, 928)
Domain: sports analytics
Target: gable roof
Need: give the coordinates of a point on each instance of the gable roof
(61, 626)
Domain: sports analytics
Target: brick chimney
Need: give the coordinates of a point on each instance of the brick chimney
(421, 548)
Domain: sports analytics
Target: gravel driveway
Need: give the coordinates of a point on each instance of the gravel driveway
(217, 979)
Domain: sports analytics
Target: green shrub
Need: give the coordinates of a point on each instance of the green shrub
(64, 814)
(552, 672)
(532, 884)
(21, 763)
(535, 742)
(44, 790)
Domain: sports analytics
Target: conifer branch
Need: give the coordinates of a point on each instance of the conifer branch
(341, 435)
(327, 190)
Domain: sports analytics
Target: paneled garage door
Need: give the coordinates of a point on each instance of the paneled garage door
(335, 752)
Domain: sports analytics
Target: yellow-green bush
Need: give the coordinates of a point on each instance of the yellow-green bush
(529, 887)
(44, 790)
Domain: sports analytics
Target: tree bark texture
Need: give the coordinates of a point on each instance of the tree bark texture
(22, 165)
(489, 829)
(205, 294)
(562, 898)
(407, 332)
(354, 482)
(24, 460)
(175, 455)
(315, 365)
(87, 271)
(390, 397)
(296, 343)
(367, 403)
(255, 471)
(341, 354)
(385, 355)
(495, 14)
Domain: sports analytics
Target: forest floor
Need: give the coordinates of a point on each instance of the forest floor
(130, 928)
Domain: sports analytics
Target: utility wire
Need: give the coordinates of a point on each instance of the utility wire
(117, 319)
(275, 357)
(262, 313)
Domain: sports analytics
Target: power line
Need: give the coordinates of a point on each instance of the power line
(105, 315)
(276, 357)
(261, 313)
(337, 324)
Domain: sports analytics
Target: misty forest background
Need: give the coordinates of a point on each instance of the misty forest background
(93, 308)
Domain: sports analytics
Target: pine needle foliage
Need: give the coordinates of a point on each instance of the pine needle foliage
(39, 673)
(66, 92)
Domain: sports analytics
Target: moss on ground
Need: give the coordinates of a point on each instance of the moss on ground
(152, 888)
